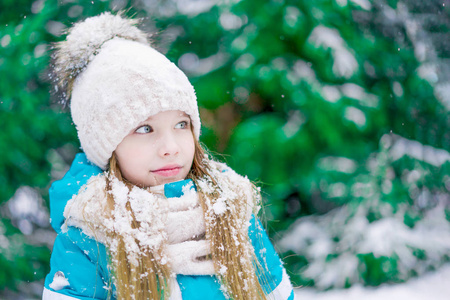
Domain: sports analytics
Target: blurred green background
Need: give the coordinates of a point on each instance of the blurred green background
(338, 109)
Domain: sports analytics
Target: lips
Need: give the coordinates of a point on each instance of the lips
(168, 171)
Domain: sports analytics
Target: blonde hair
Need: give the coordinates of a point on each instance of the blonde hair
(234, 261)
(146, 279)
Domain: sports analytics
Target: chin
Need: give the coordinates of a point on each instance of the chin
(162, 181)
(170, 180)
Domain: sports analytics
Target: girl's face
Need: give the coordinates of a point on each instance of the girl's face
(158, 151)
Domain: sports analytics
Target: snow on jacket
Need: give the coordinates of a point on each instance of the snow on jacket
(79, 263)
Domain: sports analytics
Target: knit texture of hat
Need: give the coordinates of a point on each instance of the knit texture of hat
(120, 81)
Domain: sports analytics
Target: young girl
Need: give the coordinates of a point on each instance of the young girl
(144, 213)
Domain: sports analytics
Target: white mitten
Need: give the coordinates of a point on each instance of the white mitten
(185, 225)
(190, 258)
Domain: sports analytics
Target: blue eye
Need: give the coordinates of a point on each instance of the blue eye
(144, 129)
(182, 125)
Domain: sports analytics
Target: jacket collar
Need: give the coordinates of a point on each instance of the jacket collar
(174, 189)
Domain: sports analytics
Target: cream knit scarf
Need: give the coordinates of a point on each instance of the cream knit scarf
(175, 225)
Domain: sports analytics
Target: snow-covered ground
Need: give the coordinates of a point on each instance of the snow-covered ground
(432, 286)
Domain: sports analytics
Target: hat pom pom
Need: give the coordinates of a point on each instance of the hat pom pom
(84, 41)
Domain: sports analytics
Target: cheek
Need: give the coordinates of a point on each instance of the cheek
(124, 152)
(132, 148)
(135, 153)
(189, 147)
(130, 155)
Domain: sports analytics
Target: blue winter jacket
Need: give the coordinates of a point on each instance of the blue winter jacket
(79, 264)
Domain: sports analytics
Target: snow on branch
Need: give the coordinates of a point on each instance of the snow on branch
(404, 147)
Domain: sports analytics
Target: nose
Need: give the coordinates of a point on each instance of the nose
(168, 145)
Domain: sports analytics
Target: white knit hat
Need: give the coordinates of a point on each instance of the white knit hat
(120, 82)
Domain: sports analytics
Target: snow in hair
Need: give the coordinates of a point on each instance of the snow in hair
(85, 39)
